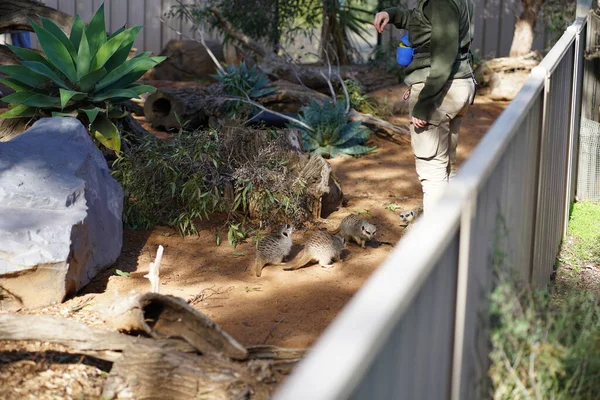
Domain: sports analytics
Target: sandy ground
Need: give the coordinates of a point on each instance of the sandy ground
(282, 308)
(288, 308)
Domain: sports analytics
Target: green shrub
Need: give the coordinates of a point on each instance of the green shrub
(358, 99)
(84, 75)
(333, 134)
(544, 350)
(171, 182)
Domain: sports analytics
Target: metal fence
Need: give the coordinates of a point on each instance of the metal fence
(416, 329)
(494, 24)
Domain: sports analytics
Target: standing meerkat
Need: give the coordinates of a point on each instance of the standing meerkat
(273, 249)
(354, 227)
(322, 247)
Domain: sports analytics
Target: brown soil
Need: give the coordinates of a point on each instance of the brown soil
(283, 308)
(287, 308)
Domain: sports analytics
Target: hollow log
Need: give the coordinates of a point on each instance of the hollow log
(162, 317)
(164, 108)
(15, 14)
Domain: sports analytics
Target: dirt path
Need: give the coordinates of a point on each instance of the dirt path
(283, 308)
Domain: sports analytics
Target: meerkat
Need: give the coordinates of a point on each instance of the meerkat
(273, 249)
(354, 227)
(409, 216)
(322, 247)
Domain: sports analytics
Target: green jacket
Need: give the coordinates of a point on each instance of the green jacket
(440, 29)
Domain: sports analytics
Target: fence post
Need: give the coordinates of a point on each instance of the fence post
(574, 123)
(462, 285)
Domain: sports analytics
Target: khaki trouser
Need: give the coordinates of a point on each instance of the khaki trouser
(434, 145)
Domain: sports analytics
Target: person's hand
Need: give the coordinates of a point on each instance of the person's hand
(381, 20)
(418, 123)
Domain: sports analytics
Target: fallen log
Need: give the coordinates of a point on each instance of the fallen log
(145, 368)
(100, 343)
(170, 109)
(15, 15)
(147, 372)
(163, 317)
(188, 60)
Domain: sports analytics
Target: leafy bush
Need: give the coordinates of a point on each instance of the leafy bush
(84, 75)
(195, 174)
(171, 182)
(332, 133)
(358, 99)
(541, 349)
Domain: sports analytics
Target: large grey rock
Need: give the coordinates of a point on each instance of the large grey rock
(60, 213)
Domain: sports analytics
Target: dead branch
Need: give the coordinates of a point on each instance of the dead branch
(376, 123)
(99, 343)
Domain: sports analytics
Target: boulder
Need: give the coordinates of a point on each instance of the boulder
(60, 213)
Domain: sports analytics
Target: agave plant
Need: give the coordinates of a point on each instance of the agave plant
(239, 80)
(84, 75)
(332, 133)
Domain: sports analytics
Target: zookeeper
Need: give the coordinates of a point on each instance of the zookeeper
(441, 84)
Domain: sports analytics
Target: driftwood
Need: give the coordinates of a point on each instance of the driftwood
(148, 372)
(15, 14)
(188, 60)
(13, 127)
(163, 317)
(323, 186)
(100, 343)
(170, 109)
(145, 368)
(376, 123)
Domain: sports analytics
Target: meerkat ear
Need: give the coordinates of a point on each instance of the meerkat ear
(284, 233)
(362, 228)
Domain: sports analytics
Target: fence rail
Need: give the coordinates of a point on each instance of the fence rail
(416, 329)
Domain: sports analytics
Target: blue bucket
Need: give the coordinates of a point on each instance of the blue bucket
(404, 53)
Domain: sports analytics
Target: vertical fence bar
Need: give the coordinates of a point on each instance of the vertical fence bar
(575, 122)
(462, 285)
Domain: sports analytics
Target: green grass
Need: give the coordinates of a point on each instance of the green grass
(582, 245)
(546, 344)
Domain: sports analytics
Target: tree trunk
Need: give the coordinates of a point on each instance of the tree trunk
(14, 15)
(525, 28)
(334, 38)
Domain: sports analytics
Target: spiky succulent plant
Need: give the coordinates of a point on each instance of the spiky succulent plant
(83, 75)
(333, 134)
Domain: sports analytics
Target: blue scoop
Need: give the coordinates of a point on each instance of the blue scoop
(404, 54)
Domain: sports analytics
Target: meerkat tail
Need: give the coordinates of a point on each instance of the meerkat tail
(258, 266)
(303, 261)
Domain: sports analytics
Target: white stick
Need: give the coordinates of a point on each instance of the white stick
(154, 274)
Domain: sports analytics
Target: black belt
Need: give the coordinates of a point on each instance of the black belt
(427, 48)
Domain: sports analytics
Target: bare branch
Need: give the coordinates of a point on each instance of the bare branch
(260, 106)
(330, 87)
